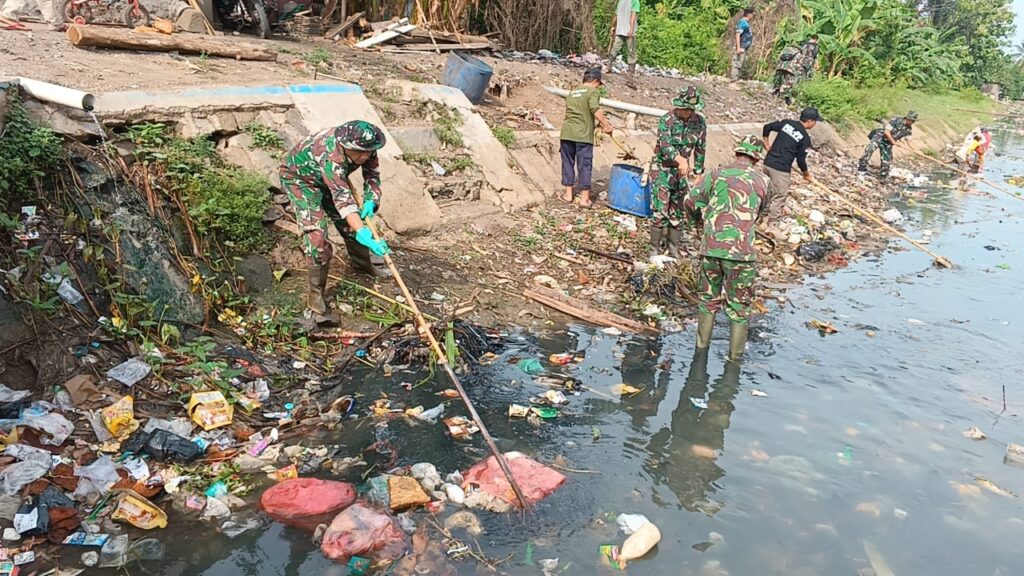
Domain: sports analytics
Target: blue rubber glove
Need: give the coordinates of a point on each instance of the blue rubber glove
(369, 207)
(365, 237)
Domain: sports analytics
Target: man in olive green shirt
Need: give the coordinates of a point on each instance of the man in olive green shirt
(624, 28)
(577, 146)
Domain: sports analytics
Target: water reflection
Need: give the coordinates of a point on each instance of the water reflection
(683, 456)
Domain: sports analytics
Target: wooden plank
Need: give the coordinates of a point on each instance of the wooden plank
(439, 47)
(341, 28)
(447, 37)
(579, 309)
(385, 36)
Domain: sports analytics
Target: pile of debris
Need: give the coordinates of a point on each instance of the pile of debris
(401, 36)
(591, 60)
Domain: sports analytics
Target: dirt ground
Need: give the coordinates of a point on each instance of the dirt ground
(481, 261)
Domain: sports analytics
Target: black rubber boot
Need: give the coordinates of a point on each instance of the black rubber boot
(362, 260)
(657, 237)
(675, 234)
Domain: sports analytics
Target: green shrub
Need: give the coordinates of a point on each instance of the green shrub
(505, 135)
(264, 137)
(446, 126)
(27, 151)
(459, 163)
(838, 101)
(688, 39)
(224, 201)
(229, 203)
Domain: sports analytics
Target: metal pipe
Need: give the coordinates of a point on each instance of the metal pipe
(615, 104)
(58, 94)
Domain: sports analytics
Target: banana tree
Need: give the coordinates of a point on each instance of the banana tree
(842, 27)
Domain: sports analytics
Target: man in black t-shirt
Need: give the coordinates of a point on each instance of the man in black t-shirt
(790, 143)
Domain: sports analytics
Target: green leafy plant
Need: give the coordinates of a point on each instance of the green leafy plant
(460, 163)
(229, 202)
(264, 137)
(447, 121)
(28, 151)
(421, 158)
(505, 135)
(319, 58)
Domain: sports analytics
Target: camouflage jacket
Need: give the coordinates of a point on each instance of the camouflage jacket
(319, 161)
(682, 137)
(729, 201)
(898, 128)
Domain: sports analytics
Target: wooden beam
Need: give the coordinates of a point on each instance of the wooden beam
(341, 28)
(437, 47)
(122, 38)
(579, 309)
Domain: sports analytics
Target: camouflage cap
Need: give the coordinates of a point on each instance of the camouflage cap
(912, 116)
(361, 135)
(751, 146)
(689, 99)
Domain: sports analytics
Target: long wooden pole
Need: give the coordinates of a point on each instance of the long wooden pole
(989, 113)
(849, 204)
(442, 359)
(965, 173)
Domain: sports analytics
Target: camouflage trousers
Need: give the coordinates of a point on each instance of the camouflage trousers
(668, 190)
(727, 284)
(884, 153)
(783, 84)
(314, 213)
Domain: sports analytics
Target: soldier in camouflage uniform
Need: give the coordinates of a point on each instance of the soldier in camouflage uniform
(728, 203)
(315, 177)
(883, 139)
(681, 133)
(786, 73)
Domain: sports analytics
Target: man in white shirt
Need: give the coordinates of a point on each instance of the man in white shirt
(624, 28)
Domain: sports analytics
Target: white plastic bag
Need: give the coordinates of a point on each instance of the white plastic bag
(630, 523)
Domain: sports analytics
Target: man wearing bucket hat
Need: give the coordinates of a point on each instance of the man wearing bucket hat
(682, 133)
(315, 175)
(727, 204)
(883, 139)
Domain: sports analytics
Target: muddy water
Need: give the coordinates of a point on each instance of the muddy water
(857, 446)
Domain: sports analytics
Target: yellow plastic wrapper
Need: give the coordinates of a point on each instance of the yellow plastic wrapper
(119, 417)
(139, 512)
(210, 410)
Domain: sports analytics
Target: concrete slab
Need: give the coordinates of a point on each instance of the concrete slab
(406, 208)
(510, 188)
(127, 106)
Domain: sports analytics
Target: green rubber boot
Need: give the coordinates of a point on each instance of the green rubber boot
(705, 323)
(737, 341)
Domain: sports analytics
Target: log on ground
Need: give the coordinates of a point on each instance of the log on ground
(580, 309)
(120, 38)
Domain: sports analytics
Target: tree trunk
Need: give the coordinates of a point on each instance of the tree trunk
(103, 37)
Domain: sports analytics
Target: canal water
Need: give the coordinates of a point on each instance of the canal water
(854, 460)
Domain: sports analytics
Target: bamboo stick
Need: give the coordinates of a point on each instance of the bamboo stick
(849, 204)
(965, 173)
(442, 359)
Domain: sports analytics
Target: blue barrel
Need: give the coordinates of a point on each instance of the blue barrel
(626, 193)
(467, 73)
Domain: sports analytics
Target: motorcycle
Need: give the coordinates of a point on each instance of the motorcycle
(243, 14)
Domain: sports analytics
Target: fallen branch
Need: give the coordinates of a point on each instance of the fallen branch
(578, 309)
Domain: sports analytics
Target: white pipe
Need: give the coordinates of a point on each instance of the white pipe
(58, 94)
(615, 104)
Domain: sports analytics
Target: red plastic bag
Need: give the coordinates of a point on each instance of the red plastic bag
(305, 503)
(536, 480)
(360, 531)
